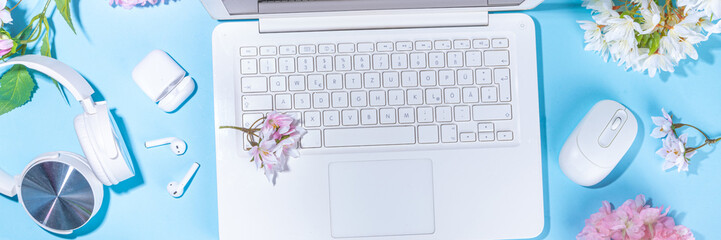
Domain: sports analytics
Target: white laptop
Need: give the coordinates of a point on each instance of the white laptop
(422, 119)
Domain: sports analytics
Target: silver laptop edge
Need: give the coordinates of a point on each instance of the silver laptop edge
(218, 10)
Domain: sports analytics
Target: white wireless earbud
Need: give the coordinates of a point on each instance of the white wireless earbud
(177, 145)
(176, 189)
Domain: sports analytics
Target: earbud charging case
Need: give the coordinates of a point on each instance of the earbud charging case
(163, 80)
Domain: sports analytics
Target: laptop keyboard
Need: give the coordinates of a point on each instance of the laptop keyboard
(435, 91)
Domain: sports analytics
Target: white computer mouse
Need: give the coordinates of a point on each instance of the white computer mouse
(598, 143)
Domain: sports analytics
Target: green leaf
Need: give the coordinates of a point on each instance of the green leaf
(16, 87)
(655, 43)
(46, 50)
(64, 8)
(25, 34)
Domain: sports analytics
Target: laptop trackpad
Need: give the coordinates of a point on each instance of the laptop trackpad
(381, 198)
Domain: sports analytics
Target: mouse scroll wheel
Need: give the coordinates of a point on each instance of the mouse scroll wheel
(616, 123)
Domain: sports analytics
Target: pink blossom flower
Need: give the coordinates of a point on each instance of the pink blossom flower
(129, 4)
(276, 125)
(626, 224)
(279, 137)
(6, 45)
(664, 125)
(632, 220)
(263, 153)
(683, 232)
(650, 215)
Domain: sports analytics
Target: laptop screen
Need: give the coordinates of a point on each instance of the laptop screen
(239, 7)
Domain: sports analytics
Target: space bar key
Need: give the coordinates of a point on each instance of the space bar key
(370, 136)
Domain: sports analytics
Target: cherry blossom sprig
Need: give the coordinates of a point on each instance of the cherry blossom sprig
(273, 139)
(646, 36)
(674, 149)
(129, 4)
(634, 220)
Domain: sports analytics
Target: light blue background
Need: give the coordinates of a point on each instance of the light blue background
(110, 41)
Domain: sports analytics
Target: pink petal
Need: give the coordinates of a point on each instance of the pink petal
(5, 46)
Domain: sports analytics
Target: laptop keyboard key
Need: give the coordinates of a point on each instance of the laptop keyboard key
(503, 79)
(312, 139)
(248, 51)
(449, 133)
(496, 58)
(257, 102)
(253, 84)
(492, 112)
(500, 42)
(428, 134)
(370, 136)
(248, 66)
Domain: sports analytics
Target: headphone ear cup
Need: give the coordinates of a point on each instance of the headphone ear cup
(110, 159)
(81, 129)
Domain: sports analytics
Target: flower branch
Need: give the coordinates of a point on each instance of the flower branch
(674, 149)
(707, 139)
(272, 140)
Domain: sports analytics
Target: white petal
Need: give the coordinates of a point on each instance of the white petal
(662, 152)
(659, 121)
(5, 16)
(665, 115)
(657, 133)
(667, 165)
(683, 139)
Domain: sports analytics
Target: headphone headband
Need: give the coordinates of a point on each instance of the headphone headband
(61, 72)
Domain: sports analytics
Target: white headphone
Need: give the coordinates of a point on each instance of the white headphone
(79, 194)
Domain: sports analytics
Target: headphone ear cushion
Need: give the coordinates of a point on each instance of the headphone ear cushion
(81, 129)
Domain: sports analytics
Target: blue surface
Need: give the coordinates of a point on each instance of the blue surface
(112, 40)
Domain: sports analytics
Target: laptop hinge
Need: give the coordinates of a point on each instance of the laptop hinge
(373, 20)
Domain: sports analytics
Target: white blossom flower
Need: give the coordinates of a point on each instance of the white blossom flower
(594, 39)
(627, 53)
(690, 28)
(709, 26)
(671, 47)
(651, 16)
(664, 125)
(674, 152)
(708, 7)
(656, 62)
(622, 28)
(600, 6)
(603, 18)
